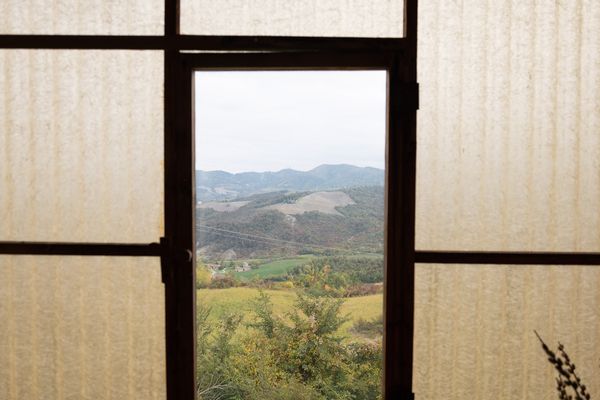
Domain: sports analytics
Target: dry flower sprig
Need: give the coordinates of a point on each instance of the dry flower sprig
(567, 377)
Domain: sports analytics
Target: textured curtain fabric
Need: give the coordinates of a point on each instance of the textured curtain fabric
(509, 126)
(82, 17)
(81, 328)
(81, 142)
(474, 328)
(352, 18)
(508, 159)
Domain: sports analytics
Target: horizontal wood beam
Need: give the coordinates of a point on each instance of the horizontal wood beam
(291, 61)
(422, 257)
(81, 249)
(198, 42)
(520, 258)
(82, 42)
(282, 43)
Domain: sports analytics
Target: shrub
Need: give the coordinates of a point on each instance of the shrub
(203, 276)
(224, 282)
(371, 328)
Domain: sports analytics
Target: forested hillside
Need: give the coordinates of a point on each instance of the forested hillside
(254, 226)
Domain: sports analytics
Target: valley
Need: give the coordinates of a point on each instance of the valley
(289, 278)
(339, 220)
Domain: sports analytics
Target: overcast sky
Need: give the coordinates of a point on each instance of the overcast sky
(268, 121)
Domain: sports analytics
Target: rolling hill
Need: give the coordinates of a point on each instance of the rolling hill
(221, 185)
(290, 223)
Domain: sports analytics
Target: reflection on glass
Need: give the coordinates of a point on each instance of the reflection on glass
(289, 228)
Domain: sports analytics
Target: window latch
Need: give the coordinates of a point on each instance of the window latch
(169, 255)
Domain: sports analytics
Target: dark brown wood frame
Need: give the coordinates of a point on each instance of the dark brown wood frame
(400, 153)
(397, 56)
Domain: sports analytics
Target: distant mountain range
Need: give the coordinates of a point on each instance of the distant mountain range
(221, 185)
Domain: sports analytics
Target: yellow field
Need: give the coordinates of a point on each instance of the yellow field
(240, 300)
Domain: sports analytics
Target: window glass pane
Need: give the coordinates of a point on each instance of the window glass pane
(474, 329)
(81, 136)
(509, 147)
(81, 328)
(289, 229)
(82, 17)
(341, 18)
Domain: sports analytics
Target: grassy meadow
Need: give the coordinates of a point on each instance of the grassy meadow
(239, 299)
(257, 339)
(274, 269)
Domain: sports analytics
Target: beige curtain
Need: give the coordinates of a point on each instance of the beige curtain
(508, 159)
(82, 17)
(353, 18)
(509, 126)
(474, 329)
(81, 328)
(81, 136)
(81, 142)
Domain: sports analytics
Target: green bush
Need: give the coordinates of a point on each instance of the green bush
(299, 356)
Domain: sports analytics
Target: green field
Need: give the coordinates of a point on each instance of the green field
(274, 268)
(239, 299)
(365, 255)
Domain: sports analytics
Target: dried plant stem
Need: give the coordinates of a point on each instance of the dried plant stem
(567, 381)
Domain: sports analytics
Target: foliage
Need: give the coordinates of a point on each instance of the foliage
(373, 327)
(273, 269)
(367, 362)
(299, 356)
(359, 269)
(240, 299)
(203, 275)
(340, 276)
(224, 281)
(309, 348)
(359, 227)
(263, 308)
(317, 279)
(214, 349)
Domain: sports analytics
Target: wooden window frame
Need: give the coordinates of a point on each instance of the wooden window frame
(397, 56)
(399, 265)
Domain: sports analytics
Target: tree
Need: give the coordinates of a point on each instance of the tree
(203, 275)
(214, 350)
(300, 356)
(308, 348)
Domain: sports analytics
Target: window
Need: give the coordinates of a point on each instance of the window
(290, 170)
(96, 188)
(330, 60)
(94, 198)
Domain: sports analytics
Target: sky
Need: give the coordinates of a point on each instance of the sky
(271, 120)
